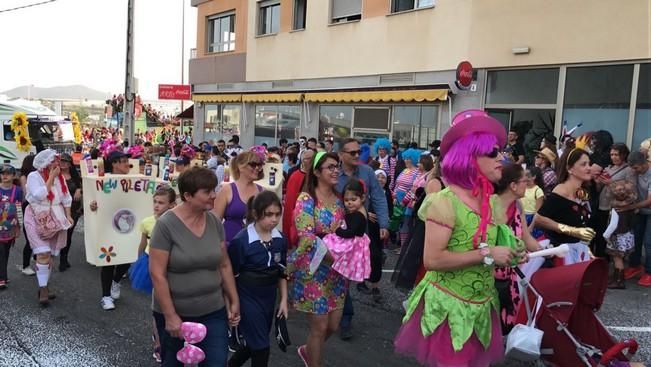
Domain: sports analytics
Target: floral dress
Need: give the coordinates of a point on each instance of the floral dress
(325, 290)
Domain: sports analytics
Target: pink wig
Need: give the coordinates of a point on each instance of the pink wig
(459, 164)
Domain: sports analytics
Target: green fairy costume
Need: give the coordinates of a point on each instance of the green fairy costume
(465, 297)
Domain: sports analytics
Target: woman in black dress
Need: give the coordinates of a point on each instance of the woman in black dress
(73, 181)
(565, 213)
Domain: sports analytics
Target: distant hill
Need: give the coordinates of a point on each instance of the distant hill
(66, 92)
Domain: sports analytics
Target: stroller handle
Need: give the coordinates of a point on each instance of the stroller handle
(630, 344)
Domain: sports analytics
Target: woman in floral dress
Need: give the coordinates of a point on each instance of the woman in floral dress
(321, 294)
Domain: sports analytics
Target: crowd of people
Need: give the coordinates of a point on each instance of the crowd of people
(459, 216)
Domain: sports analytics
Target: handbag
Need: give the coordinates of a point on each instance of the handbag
(47, 226)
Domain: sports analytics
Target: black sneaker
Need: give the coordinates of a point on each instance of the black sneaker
(377, 297)
(362, 288)
(346, 333)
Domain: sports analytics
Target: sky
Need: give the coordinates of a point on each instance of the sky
(68, 42)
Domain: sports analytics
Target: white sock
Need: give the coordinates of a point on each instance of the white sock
(42, 274)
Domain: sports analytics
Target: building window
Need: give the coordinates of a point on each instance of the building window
(415, 124)
(300, 14)
(346, 10)
(221, 33)
(268, 17)
(599, 97)
(335, 122)
(642, 128)
(221, 121)
(404, 5)
(273, 122)
(528, 86)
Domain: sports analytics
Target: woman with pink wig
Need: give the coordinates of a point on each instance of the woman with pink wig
(452, 315)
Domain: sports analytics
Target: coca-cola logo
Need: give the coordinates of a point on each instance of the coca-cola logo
(464, 74)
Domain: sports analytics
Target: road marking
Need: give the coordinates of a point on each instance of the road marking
(388, 271)
(631, 329)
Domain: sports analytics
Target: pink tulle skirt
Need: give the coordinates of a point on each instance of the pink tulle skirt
(352, 256)
(436, 350)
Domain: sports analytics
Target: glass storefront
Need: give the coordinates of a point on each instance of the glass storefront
(642, 129)
(274, 122)
(221, 121)
(599, 97)
(405, 123)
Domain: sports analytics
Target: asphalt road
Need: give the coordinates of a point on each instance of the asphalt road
(75, 331)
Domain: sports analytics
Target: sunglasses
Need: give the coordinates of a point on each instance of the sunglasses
(255, 164)
(354, 153)
(493, 153)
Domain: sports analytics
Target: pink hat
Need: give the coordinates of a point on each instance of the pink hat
(472, 121)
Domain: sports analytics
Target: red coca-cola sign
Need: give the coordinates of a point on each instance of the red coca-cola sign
(174, 91)
(464, 74)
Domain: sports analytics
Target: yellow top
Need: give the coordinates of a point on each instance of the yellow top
(146, 227)
(529, 200)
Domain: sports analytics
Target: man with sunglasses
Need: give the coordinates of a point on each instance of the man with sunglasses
(376, 205)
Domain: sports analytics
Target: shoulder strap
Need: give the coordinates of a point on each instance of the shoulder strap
(13, 194)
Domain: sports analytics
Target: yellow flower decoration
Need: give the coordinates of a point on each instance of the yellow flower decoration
(23, 142)
(19, 124)
(76, 128)
(19, 121)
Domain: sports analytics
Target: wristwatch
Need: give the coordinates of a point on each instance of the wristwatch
(485, 251)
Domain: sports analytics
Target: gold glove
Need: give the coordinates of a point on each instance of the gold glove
(584, 233)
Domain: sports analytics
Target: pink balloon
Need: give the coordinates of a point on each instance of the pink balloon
(190, 354)
(193, 332)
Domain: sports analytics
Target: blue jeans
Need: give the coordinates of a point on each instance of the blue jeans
(215, 345)
(642, 240)
(349, 311)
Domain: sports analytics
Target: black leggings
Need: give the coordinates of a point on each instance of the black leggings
(113, 273)
(259, 358)
(376, 252)
(27, 250)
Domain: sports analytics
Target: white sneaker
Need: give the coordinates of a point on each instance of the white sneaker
(115, 290)
(27, 271)
(107, 303)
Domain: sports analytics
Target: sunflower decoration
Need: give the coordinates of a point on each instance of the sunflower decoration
(76, 127)
(19, 124)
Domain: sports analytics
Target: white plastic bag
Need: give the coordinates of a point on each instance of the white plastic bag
(319, 253)
(523, 343)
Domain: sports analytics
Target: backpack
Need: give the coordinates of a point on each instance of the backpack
(8, 216)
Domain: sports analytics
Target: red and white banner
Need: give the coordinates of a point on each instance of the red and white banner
(174, 91)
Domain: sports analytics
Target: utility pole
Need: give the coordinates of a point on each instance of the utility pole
(129, 88)
(182, 48)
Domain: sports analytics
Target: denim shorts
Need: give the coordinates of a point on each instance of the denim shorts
(215, 345)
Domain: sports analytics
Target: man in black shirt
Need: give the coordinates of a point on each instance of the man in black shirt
(517, 150)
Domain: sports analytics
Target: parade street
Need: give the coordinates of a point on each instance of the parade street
(75, 331)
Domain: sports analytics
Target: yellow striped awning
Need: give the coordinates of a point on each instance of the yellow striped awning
(272, 97)
(423, 95)
(217, 98)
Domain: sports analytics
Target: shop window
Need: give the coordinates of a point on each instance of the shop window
(642, 128)
(221, 121)
(405, 5)
(221, 32)
(374, 118)
(273, 122)
(300, 14)
(599, 97)
(345, 10)
(529, 86)
(415, 124)
(532, 125)
(268, 17)
(335, 122)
